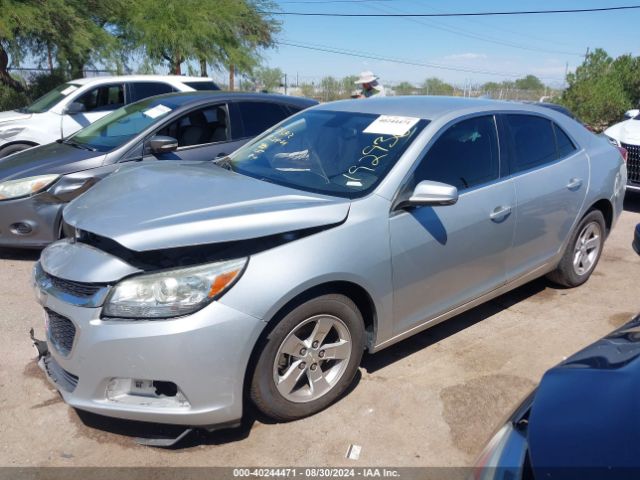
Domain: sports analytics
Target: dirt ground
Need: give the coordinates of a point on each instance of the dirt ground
(432, 400)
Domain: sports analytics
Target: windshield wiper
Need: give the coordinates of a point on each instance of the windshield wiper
(224, 162)
(79, 145)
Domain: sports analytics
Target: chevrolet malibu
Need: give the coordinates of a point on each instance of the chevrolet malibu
(187, 288)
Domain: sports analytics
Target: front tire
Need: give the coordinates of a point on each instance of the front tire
(309, 359)
(583, 251)
(18, 147)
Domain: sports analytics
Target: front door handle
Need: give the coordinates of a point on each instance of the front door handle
(500, 213)
(574, 183)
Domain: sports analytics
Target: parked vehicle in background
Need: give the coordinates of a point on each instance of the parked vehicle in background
(78, 103)
(626, 134)
(636, 239)
(351, 225)
(36, 184)
(556, 107)
(580, 422)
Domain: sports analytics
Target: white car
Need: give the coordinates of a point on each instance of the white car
(626, 134)
(78, 103)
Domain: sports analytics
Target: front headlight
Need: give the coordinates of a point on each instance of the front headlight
(172, 293)
(8, 132)
(25, 186)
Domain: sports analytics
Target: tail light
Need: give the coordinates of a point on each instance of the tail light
(623, 153)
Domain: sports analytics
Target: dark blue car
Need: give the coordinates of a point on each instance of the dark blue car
(582, 422)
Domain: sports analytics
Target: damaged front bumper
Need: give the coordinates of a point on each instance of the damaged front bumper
(186, 371)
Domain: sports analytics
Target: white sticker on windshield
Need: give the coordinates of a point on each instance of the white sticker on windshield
(157, 111)
(391, 125)
(68, 90)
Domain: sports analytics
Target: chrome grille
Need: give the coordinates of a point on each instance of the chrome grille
(633, 162)
(61, 332)
(65, 380)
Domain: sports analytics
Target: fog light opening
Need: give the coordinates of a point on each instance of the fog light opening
(168, 389)
(21, 228)
(145, 393)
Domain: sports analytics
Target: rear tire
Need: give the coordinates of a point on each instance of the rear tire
(309, 359)
(583, 251)
(17, 147)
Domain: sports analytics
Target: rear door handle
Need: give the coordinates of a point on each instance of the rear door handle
(574, 183)
(500, 212)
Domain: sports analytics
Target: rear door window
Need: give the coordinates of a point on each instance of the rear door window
(140, 90)
(257, 117)
(202, 85)
(533, 141)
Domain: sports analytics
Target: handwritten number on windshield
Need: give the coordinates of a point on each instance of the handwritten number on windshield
(373, 153)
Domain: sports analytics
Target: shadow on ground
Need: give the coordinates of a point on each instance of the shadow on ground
(19, 254)
(632, 202)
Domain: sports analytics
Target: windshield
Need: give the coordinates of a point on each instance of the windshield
(335, 153)
(122, 125)
(49, 100)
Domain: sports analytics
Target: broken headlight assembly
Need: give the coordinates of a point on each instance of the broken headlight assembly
(172, 293)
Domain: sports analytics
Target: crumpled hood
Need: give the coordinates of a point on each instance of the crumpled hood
(166, 204)
(12, 115)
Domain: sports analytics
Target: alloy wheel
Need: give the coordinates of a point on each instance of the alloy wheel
(587, 248)
(312, 358)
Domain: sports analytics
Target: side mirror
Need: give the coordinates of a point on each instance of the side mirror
(162, 144)
(74, 107)
(432, 193)
(632, 113)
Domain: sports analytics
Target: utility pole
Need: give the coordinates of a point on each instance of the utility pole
(285, 83)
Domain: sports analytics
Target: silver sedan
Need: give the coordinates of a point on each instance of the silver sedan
(347, 227)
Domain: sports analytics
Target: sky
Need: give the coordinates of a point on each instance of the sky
(487, 48)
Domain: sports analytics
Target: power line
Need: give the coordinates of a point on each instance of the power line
(476, 36)
(356, 53)
(460, 14)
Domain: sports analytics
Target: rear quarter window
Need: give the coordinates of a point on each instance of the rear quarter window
(565, 146)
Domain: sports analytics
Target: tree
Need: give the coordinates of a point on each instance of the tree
(530, 82)
(307, 90)
(220, 32)
(348, 85)
(330, 89)
(268, 79)
(596, 91)
(435, 86)
(405, 88)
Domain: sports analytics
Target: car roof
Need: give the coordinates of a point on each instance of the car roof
(428, 107)
(186, 99)
(137, 78)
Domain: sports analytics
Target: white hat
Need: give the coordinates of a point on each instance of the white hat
(366, 77)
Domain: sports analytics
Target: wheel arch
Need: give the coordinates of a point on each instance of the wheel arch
(606, 207)
(357, 293)
(18, 142)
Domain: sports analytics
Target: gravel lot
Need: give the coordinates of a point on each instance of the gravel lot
(432, 400)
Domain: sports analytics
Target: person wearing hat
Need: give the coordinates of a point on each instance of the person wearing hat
(370, 85)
